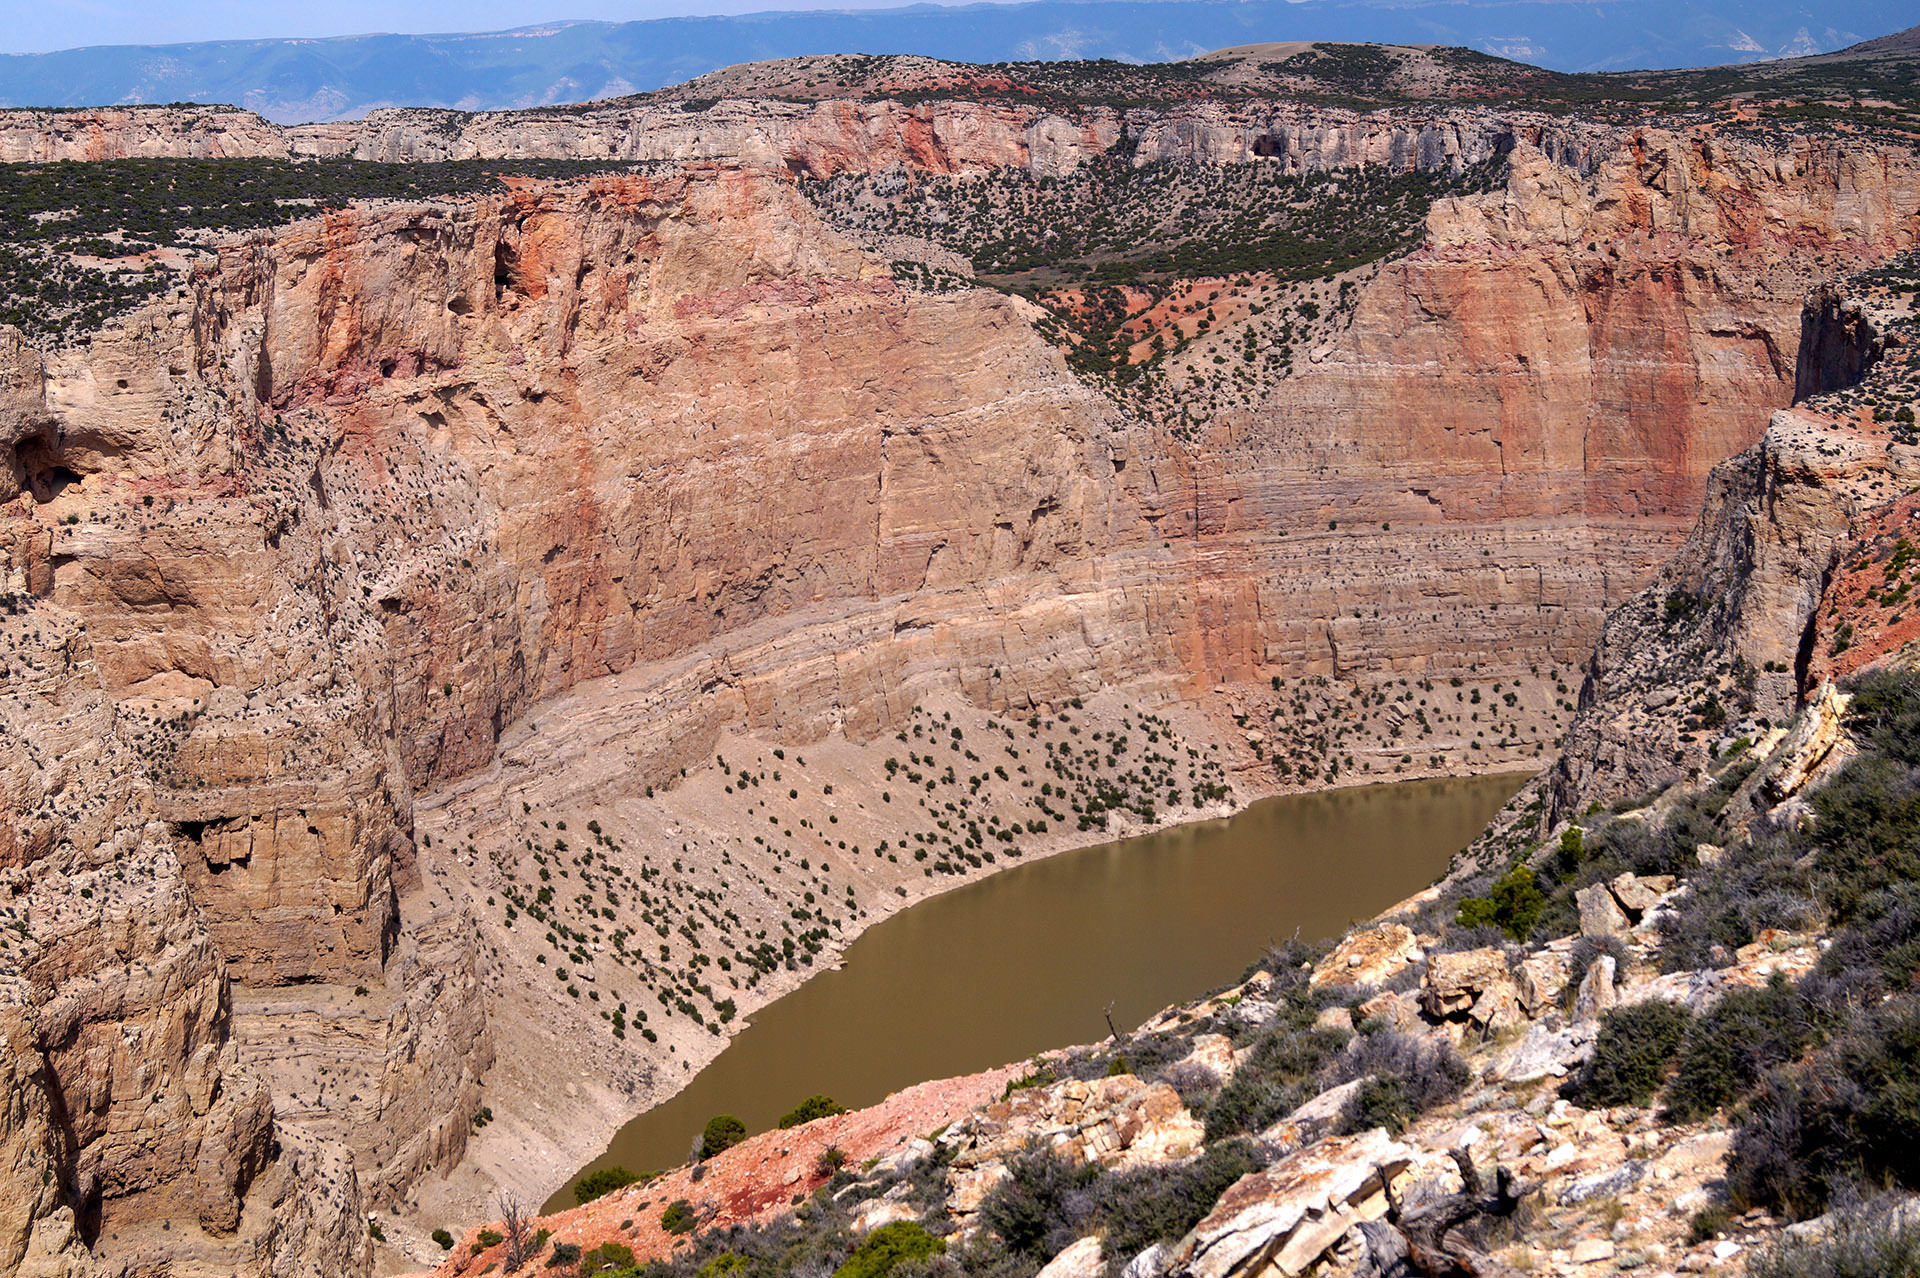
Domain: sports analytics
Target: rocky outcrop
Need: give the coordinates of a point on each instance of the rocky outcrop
(137, 133)
(534, 496)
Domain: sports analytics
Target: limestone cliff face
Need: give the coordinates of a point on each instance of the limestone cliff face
(823, 138)
(296, 547)
(137, 132)
(1746, 622)
(1560, 366)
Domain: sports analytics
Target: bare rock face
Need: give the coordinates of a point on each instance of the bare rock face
(1370, 957)
(325, 534)
(137, 133)
(1283, 1219)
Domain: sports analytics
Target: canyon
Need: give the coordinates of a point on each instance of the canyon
(400, 557)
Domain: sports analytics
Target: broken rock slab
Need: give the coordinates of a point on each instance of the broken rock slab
(1370, 957)
(1315, 1118)
(1081, 1259)
(1281, 1220)
(1474, 982)
(1541, 1053)
(1600, 914)
(1596, 995)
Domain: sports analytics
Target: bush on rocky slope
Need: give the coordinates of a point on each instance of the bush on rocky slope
(1875, 1239)
(1734, 1043)
(1633, 1053)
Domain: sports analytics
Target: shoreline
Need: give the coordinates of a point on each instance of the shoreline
(559, 1132)
(1220, 813)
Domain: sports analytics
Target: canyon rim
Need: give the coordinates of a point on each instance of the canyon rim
(492, 599)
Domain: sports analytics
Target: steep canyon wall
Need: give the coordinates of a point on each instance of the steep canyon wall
(298, 545)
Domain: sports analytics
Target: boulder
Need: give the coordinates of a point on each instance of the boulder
(1336, 1019)
(1637, 894)
(1151, 1263)
(1395, 1009)
(1151, 1126)
(1606, 1184)
(1498, 1008)
(1214, 1052)
(1600, 914)
(1541, 1053)
(1539, 980)
(1588, 1250)
(1081, 1259)
(874, 1215)
(1370, 957)
(1596, 993)
(1313, 1119)
(1281, 1220)
(1458, 981)
(904, 1159)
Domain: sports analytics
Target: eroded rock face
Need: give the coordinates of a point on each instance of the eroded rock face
(137, 133)
(310, 539)
(1283, 1219)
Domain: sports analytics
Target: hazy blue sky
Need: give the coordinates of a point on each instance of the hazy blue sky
(33, 26)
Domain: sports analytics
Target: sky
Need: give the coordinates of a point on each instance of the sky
(36, 26)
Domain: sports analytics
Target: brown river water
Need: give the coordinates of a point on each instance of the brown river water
(1027, 959)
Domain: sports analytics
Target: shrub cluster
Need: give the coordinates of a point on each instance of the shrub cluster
(598, 1184)
(722, 1133)
(809, 1109)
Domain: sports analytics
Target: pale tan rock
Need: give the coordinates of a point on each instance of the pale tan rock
(874, 1215)
(1637, 894)
(1287, 1216)
(1600, 914)
(1396, 1010)
(1540, 979)
(1368, 957)
(1587, 1251)
(1082, 1258)
(1334, 1020)
(1456, 982)
(1596, 994)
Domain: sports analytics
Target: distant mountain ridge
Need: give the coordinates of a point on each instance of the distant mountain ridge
(294, 80)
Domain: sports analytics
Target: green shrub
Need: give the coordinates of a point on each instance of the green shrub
(564, 1253)
(1028, 1209)
(1733, 1044)
(1513, 904)
(1379, 1102)
(1866, 832)
(1871, 1240)
(490, 1238)
(1279, 1073)
(811, 1108)
(722, 1133)
(722, 1265)
(1850, 1113)
(1155, 1204)
(886, 1247)
(679, 1218)
(598, 1184)
(608, 1255)
(1405, 1077)
(1635, 1048)
(1707, 1224)
(443, 1240)
(1726, 906)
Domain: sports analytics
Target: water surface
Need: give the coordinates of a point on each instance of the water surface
(1028, 958)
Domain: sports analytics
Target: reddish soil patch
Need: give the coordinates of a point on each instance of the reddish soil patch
(757, 1180)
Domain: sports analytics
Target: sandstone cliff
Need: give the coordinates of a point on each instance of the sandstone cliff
(1791, 555)
(442, 511)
